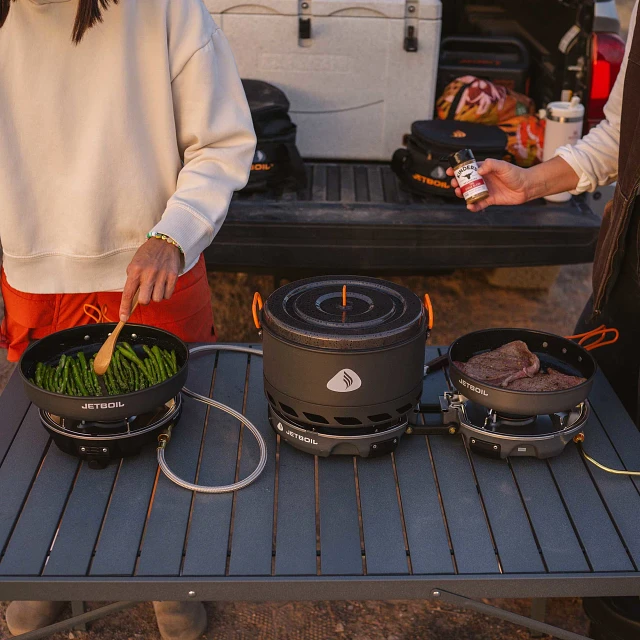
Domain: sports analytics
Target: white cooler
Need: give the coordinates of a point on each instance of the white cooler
(354, 87)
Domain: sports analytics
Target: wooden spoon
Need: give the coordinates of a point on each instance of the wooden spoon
(103, 357)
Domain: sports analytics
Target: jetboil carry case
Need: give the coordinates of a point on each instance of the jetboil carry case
(422, 166)
(276, 161)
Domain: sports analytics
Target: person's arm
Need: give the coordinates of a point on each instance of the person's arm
(509, 184)
(217, 141)
(591, 162)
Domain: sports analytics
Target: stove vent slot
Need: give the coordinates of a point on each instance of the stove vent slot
(380, 417)
(404, 408)
(271, 400)
(312, 417)
(348, 422)
(287, 409)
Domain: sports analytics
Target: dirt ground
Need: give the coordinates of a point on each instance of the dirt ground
(463, 301)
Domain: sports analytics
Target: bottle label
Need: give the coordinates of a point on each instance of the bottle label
(470, 181)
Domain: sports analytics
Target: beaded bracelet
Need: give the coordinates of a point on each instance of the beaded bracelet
(166, 238)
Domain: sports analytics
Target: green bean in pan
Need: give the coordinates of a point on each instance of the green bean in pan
(160, 362)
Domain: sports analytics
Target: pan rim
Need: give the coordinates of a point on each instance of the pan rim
(97, 399)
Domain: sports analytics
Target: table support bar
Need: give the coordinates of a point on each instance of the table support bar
(502, 614)
(76, 621)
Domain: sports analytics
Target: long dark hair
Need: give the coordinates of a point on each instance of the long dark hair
(89, 13)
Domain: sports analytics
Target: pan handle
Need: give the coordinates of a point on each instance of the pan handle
(256, 309)
(429, 308)
(596, 338)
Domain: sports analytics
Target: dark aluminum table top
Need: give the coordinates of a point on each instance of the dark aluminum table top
(431, 516)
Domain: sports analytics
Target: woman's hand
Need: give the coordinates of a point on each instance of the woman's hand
(510, 184)
(154, 269)
(507, 184)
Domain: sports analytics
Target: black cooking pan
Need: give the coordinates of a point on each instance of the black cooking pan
(89, 339)
(553, 351)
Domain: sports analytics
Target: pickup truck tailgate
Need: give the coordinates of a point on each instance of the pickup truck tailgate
(355, 217)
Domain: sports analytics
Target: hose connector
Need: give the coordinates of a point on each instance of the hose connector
(164, 436)
(578, 438)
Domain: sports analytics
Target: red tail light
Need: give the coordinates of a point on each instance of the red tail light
(608, 52)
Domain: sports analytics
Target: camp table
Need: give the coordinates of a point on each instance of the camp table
(430, 522)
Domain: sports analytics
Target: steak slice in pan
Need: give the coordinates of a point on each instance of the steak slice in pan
(502, 366)
(551, 381)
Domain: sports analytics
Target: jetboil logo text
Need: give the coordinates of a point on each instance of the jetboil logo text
(344, 381)
(464, 383)
(102, 405)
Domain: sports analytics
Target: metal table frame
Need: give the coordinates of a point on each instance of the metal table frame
(430, 521)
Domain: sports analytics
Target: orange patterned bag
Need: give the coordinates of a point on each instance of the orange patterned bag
(472, 99)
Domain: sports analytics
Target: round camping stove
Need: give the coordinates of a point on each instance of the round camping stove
(101, 442)
(343, 363)
(500, 435)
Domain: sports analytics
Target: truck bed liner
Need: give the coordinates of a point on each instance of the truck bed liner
(356, 217)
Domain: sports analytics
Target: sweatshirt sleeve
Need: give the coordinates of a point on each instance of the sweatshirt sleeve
(217, 142)
(595, 157)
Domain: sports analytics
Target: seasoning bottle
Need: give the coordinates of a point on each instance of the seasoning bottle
(465, 169)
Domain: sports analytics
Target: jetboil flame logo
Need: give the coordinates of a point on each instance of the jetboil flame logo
(344, 381)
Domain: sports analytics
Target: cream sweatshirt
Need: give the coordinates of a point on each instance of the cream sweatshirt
(144, 126)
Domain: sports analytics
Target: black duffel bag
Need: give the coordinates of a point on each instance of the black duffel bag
(277, 162)
(422, 166)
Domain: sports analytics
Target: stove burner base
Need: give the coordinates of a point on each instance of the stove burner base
(490, 434)
(366, 442)
(101, 442)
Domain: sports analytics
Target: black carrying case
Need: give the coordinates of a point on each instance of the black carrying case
(277, 161)
(422, 165)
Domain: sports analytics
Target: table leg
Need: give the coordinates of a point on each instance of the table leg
(77, 609)
(539, 613)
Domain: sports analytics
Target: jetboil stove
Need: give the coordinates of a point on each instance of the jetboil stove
(344, 369)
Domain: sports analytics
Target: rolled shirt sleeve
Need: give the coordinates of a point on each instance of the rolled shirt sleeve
(595, 157)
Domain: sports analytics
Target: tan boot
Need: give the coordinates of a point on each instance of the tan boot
(28, 615)
(180, 620)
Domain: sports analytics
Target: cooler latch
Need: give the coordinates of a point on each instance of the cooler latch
(411, 26)
(304, 23)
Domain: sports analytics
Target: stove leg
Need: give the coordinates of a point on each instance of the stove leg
(539, 613)
(77, 609)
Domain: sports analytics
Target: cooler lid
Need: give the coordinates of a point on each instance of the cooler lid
(427, 9)
(377, 313)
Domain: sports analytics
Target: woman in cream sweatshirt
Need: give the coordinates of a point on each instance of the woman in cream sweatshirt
(122, 139)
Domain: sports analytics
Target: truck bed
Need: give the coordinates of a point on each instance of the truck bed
(355, 217)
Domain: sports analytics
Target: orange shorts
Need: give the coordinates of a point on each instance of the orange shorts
(30, 316)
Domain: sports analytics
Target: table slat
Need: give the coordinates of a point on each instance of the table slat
(18, 471)
(347, 184)
(376, 190)
(78, 533)
(588, 513)
(619, 493)
(560, 547)
(426, 531)
(319, 189)
(166, 527)
(32, 537)
(117, 549)
(208, 538)
(516, 544)
(251, 546)
(339, 526)
(381, 521)
(296, 518)
(13, 408)
(470, 538)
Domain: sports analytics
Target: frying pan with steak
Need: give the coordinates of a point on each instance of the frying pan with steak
(89, 339)
(553, 351)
